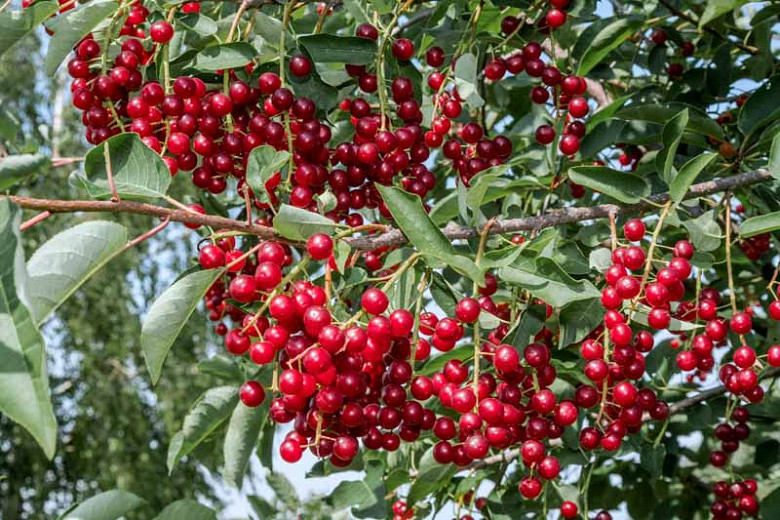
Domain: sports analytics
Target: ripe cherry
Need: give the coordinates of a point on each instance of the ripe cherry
(300, 66)
(374, 301)
(161, 31)
(252, 394)
(555, 18)
(319, 246)
(634, 230)
(403, 49)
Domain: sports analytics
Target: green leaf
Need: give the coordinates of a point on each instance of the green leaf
(15, 25)
(110, 505)
(299, 224)
(430, 476)
(225, 56)
(409, 214)
(200, 23)
(705, 232)
(284, 490)
(760, 224)
(60, 266)
(207, 414)
(466, 70)
(73, 26)
(761, 107)
(186, 509)
(652, 458)
(622, 186)
(139, 173)
(774, 157)
(716, 8)
(16, 168)
(242, 434)
(328, 48)
(261, 507)
(607, 40)
(698, 122)
(687, 174)
(366, 497)
(263, 163)
(168, 315)
(670, 137)
(577, 320)
(547, 280)
(24, 385)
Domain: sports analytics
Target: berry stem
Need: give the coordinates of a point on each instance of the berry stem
(110, 175)
(649, 262)
(380, 62)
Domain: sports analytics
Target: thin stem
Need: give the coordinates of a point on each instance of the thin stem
(40, 217)
(156, 229)
(649, 262)
(729, 273)
(241, 9)
(110, 175)
(380, 62)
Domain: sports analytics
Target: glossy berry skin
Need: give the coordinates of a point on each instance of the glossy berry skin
(569, 510)
(161, 31)
(569, 144)
(634, 230)
(300, 66)
(319, 246)
(555, 18)
(403, 49)
(252, 394)
(741, 323)
(374, 301)
(211, 257)
(467, 310)
(530, 487)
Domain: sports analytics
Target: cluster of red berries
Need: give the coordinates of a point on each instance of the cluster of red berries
(754, 247)
(735, 500)
(686, 49)
(401, 511)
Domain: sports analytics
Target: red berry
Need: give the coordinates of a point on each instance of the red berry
(161, 31)
(555, 18)
(374, 301)
(300, 66)
(634, 230)
(319, 246)
(252, 394)
(403, 49)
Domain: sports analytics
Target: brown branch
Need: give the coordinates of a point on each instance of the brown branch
(678, 407)
(568, 215)
(394, 237)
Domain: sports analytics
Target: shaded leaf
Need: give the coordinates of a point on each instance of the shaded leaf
(105, 506)
(670, 137)
(263, 163)
(67, 260)
(242, 434)
(15, 25)
(365, 497)
(16, 168)
(24, 385)
(207, 414)
(328, 48)
(545, 279)
(761, 107)
(186, 509)
(284, 490)
(577, 320)
(687, 174)
(168, 315)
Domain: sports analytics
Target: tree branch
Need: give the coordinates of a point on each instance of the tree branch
(678, 407)
(394, 237)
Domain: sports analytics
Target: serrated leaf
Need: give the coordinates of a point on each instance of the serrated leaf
(16, 168)
(545, 279)
(608, 39)
(687, 174)
(760, 224)
(208, 413)
(670, 137)
(263, 163)
(242, 434)
(225, 56)
(24, 385)
(110, 505)
(15, 25)
(186, 509)
(73, 26)
(168, 315)
(139, 173)
(328, 48)
(299, 224)
(67, 260)
(705, 232)
(415, 223)
(621, 186)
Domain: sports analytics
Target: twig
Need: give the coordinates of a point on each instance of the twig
(110, 175)
(395, 236)
(40, 217)
(156, 229)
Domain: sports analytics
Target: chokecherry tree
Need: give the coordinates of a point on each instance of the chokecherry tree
(506, 258)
